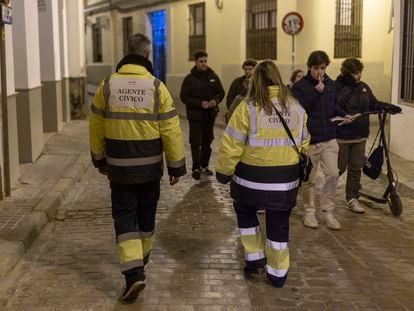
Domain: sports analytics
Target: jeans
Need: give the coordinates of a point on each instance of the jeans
(352, 157)
(201, 137)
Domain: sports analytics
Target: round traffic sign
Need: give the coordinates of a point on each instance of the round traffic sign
(292, 23)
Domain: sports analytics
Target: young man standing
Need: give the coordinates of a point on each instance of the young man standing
(201, 92)
(132, 123)
(316, 93)
(240, 85)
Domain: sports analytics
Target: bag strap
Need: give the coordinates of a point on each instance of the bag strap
(375, 141)
(287, 130)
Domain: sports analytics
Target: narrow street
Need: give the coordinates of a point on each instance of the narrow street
(197, 261)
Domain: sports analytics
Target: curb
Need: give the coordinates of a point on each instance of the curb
(19, 239)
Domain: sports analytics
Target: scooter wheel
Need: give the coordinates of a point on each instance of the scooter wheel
(395, 204)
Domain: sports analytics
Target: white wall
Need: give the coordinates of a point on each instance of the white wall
(9, 60)
(49, 42)
(26, 44)
(63, 31)
(76, 38)
(402, 126)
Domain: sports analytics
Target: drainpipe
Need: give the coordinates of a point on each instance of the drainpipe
(4, 114)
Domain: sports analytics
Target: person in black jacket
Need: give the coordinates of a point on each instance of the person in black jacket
(240, 85)
(201, 92)
(238, 88)
(355, 96)
(316, 93)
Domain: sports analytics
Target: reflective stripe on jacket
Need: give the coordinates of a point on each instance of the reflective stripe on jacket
(133, 121)
(256, 150)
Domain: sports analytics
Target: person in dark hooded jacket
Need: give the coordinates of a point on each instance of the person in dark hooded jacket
(201, 92)
(355, 97)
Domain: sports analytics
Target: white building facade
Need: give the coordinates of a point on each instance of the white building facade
(41, 48)
(402, 126)
(232, 30)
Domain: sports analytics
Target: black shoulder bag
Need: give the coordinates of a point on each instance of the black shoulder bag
(373, 163)
(304, 161)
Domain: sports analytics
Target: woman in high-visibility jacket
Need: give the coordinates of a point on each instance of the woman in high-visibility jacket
(259, 159)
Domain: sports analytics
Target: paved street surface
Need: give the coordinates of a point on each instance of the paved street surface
(197, 261)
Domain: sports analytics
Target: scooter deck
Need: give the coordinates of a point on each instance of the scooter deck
(374, 199)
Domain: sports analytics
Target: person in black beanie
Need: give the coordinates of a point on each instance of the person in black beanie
(355, 96)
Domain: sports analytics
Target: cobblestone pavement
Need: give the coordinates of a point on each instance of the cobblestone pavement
(197, 260)
(60, 152)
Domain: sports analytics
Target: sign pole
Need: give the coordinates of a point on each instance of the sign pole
(292, 24)
(293, 52)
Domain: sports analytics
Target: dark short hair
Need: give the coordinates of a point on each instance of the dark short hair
(317, 58)
(200, 54)
(249, 62)
(294, 74)
(351, 65)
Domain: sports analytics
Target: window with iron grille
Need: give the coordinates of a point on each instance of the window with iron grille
(407, 70)
(348, 28)
(126, 31)
(197, 40)
(97, 43)
(261, 32)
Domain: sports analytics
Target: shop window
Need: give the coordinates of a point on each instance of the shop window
(407, 65)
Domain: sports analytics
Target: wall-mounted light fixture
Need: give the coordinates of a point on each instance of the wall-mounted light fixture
(219, 4)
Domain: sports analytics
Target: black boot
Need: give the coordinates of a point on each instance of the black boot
(134, 284)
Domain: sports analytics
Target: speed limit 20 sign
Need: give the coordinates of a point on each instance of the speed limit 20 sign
(292, 23)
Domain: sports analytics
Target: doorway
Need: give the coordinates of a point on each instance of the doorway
(159, 43)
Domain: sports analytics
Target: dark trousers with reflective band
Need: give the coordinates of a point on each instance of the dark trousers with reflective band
(201, 137)
(133, 210)
(274, 251)
(352, 156)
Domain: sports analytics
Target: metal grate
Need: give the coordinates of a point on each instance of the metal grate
(407, 72)
(197, 40)
(348, 28)
(126, 31)
(261, 32)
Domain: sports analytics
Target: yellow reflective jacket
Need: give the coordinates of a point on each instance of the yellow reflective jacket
(258, 153)
(133, 120)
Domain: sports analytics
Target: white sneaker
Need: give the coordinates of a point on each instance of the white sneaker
(331, 221)
(309, 220)
(353, 205)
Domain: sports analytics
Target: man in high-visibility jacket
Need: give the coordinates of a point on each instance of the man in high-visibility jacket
(133, 121)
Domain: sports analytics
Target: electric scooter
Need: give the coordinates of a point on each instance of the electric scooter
(390, 195)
